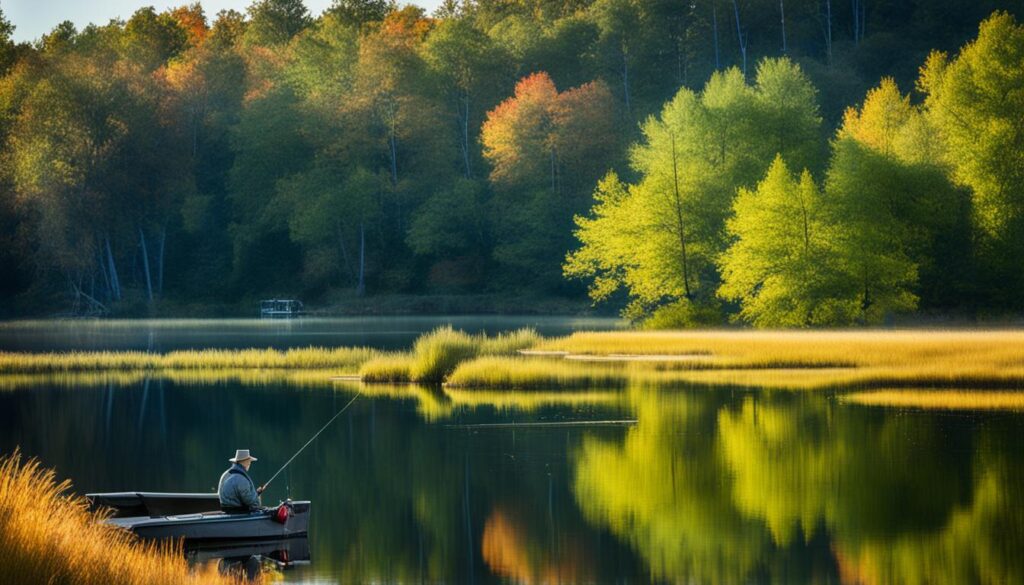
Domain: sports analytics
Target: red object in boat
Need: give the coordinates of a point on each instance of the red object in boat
(282, 514)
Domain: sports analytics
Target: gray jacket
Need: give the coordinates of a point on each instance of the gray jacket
(236, 489)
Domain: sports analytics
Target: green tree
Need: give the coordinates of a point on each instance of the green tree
(777, 268)
(151, 39)
(470, 68)
(692, 159)
(275, 22)
(975, 103)
(869, 239)
(357, 13)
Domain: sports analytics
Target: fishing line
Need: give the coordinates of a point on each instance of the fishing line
(313, 438)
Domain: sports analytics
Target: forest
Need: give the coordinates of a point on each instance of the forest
(779, 163)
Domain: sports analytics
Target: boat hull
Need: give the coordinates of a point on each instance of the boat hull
(221, 526)
(154, 504)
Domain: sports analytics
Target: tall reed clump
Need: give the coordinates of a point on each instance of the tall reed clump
(436, 354)
(49, 536)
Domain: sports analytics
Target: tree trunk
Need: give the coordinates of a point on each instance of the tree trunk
(101, 260)
(739, 36)
(361, 287)
(344, 250)
(393, 152)
(160, 261)
(714, 32)
(828, 31)
(115, 282)
(625, 79)
(678, 204)
(464, 133)
(145, 265)
(782, 18)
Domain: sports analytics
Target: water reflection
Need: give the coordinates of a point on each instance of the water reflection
(793, 488)
(411, 484)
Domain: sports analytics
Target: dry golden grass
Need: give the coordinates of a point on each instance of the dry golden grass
(939, 399)
(387, 369)
(77, 379)
(813, 359)
(48, 536)
(346, 359)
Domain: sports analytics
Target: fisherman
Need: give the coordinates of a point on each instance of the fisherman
(236, 489)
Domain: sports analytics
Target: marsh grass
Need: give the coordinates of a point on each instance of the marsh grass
(534, 373)
(508, 343)
(435, 355)
(387, 369)
(121, 378)
(310, 358)
(939, 399)
(48, 536)
(811, 359)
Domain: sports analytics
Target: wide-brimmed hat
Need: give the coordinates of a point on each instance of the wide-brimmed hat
(242, 455)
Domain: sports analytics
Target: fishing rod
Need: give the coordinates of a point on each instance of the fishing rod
(311, 439)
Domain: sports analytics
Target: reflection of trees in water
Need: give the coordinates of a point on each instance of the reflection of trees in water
(786, 487)
(510, 552)
(394, 499)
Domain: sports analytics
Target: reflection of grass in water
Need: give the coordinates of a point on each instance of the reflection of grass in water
(434, 403)
(341, 358)
(50, 537)
(431, 403)
(531, 400)
(436, 354)
(534, 373)
(939, 399)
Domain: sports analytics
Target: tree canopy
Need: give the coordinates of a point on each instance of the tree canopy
(376, 149)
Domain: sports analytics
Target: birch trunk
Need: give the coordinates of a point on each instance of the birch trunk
(739, 36)
(782, 18)
(160, 261)
(361, 287)
(115, 282)
(714, 32)
(678, 204)
(145, 265)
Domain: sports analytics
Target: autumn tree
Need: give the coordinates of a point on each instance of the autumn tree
(546, 149)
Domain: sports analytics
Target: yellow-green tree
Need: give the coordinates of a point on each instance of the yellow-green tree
(778, 267)
(976, 103)
(659, 238)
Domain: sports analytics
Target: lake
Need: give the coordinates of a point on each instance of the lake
(412, 484)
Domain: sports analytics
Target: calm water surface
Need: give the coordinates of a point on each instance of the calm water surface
(413, 485)
(170, 334)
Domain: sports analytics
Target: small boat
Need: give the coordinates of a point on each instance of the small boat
(271, 308)
(197, 517)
